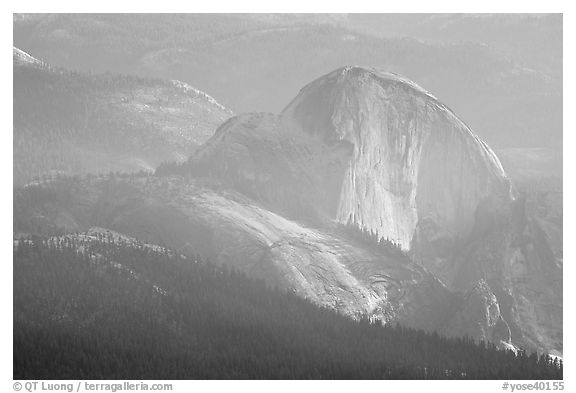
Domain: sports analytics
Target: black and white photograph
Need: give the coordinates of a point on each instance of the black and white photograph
(286, 196)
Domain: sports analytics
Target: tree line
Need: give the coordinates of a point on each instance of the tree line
(97, 306)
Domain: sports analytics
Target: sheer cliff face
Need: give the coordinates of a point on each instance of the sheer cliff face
(411, 157)
(365, 147)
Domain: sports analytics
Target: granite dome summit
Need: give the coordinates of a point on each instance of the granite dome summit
(363, 146)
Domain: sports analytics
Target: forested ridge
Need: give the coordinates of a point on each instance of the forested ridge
(75, 122)
(96, 306)
(57, 110)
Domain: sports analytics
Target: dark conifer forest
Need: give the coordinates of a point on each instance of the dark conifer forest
(98, 307)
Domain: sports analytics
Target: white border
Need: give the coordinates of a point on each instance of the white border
(292, 6)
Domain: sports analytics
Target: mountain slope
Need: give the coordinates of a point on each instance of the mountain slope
(99, 305)
(326, 266)
(83, 123)
(229, 229)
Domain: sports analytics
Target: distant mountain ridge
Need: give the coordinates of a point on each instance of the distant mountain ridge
(79, 123)
(507, 99)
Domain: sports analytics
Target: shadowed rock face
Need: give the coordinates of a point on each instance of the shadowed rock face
(480, 315)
